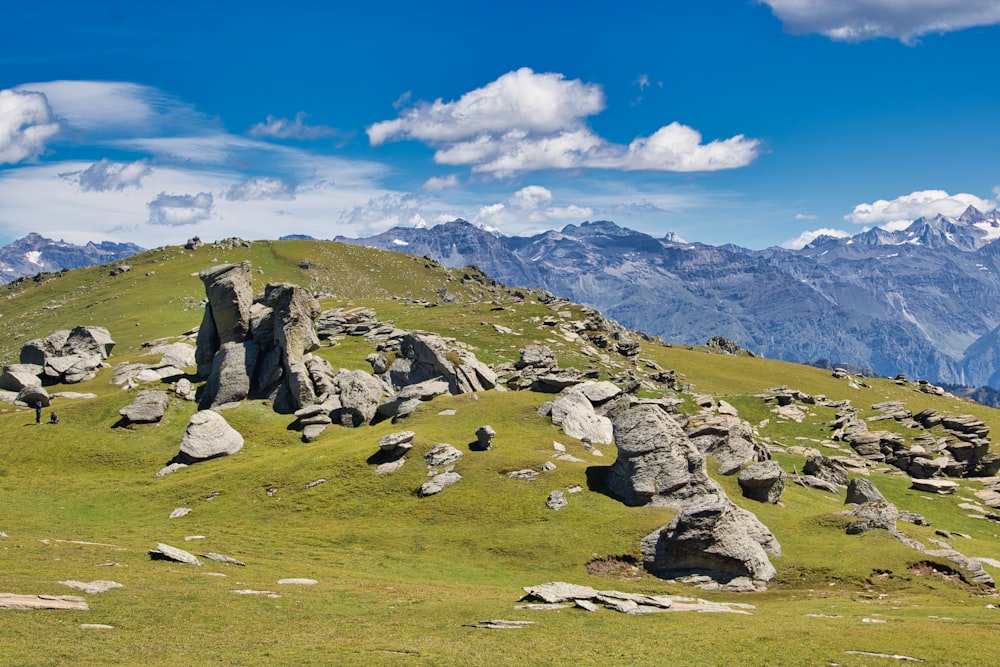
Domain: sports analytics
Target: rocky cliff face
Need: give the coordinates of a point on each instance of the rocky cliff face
(36, 254)
(924, 301)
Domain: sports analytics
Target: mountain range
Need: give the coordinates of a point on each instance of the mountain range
(922, 301)
(35, 254)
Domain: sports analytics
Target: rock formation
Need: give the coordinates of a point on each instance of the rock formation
(658, 464)
(62, 357)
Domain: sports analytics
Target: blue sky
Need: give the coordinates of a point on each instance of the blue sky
(731, 121)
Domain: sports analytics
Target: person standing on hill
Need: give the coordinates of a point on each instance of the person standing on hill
(38, 412)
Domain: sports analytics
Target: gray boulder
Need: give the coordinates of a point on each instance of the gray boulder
(826, 469)
(442, 455)
(208, 436)
(657, 464)
(229, 380)
(395, 441)
(407, 399)
(227, 314)
(147, 407)
(764, 481)
(16, 377)
(359, 395)
(556, 500)
(536, 356)
(484, 438)
(37, 350)
(575, 415)
(87, 341)
(425, 356)
(727, 439)
(438, 483)
(861, 491)
(873, 515)
(715, 538)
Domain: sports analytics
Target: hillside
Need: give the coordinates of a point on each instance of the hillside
(403, 579)
(923, 301)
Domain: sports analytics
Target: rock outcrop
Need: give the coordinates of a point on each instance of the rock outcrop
(658, 464)
(208, 436)
(62, 357)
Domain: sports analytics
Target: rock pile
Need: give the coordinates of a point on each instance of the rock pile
(62, 357)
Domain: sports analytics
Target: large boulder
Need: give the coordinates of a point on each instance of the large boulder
(69, 356)
(208, 436)
(575, 415)
(425, 356)
(764, 481)
(229, 291)
(657, 464)
(16, 377)
(35, 351)
(147, 407)
(229, 381)
(861, 491)
(88, 340)
(727, 439)
(712, 537)
(359, 395)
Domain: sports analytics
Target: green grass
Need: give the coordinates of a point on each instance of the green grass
(402, 578)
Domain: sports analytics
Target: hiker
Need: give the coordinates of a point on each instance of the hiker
(38, 412)
(54, 417)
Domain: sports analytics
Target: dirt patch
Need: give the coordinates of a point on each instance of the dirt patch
(623, 567)
(926, 568)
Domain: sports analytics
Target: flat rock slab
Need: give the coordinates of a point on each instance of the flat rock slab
(93, 587)
(167, 552)
(501, 624)
(66, 602)
(250, 591)
(299, 582)
(219, 558)
(942, 486)
(96, 626)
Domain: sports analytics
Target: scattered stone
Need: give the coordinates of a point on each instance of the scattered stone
(96, 626)
(223, 559)
(891, 656)
(526, 474)
(396, 441)
(316, 482)
(501, 624)
(556, 500)
(437, 484)
(442, 455)
(813, 482)
(92, 587)
(179, 512)
(298, 582)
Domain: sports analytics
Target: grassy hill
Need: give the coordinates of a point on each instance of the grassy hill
(401, 579)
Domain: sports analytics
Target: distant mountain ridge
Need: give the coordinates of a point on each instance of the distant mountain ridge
(924, 301)
(36, 254)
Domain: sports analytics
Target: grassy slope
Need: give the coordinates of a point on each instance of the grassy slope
(400, 578)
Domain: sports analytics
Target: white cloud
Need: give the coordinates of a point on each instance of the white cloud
(435, 183)
(529, 205)
(283, 128)
(805, 238)
(384, 212)
(519, 100)
(26, 123)
(261, 187)
(525, 121)
(898, 213)
(180, 210)
(805, 216)
(105, 175)
(905, 20)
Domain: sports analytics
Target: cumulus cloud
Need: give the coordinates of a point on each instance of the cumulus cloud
(106, 175)
(905, 20)
(898, 213)
(525, 121)
(26, 123)
(805, 238)
(435, 183)
(261, 187)
(180, 210)
(283, 128)
(531, 204)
